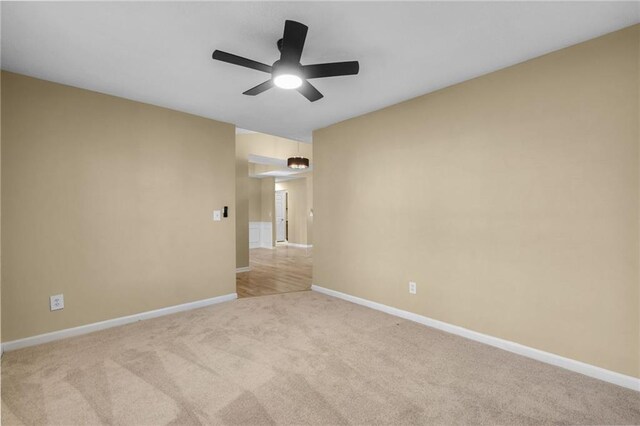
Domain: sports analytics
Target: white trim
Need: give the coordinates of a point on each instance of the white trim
(243, 269)
(254, 234)
(298, 245)
(96, 326)
(619, 379)
(266, 235)
(260, 235)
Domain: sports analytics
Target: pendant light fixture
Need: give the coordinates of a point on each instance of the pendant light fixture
(298, 162)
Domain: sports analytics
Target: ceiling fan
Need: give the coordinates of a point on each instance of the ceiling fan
(287, 72)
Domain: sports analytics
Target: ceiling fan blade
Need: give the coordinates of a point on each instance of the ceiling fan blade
(333, 69)
(310, 92)
(262, 87)
(239, 60)
(293, 39)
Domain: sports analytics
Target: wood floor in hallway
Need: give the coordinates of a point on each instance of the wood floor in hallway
(280, 270)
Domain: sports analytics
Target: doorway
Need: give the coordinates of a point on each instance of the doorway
(275, 207)
(282, 222)
(280, 254)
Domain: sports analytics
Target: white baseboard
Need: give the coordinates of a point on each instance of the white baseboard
(546, 357)
(299, 245)
(243, 269)
(96, 326)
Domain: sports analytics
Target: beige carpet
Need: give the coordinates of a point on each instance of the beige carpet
(297, 358)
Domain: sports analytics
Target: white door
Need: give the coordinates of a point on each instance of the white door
(281, 216)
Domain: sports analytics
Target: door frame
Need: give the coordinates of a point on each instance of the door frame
(285, 214)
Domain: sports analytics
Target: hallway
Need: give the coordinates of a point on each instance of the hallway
(281, 270)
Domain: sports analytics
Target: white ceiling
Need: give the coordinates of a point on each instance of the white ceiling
(160, 53)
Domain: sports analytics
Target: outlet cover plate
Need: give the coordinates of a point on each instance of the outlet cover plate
(56, 302)
(412, 287)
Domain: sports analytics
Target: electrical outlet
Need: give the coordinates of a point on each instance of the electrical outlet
(56, 302)
(412, 287)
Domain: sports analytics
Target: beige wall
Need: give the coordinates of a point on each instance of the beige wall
(242, 204)
(298, 212)
(309, 212)
(0, 217)
(108, 201)
(261, 199)
(255, 200)
(273, 146)
(266, 146)
(269, 205)
(511, 199)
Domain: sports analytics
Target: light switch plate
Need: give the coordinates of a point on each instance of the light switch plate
(56, 302)
(216, 215)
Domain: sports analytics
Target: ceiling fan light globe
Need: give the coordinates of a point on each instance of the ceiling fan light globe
(287, 81)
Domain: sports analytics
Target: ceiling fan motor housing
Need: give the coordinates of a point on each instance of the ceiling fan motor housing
(279, 67)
